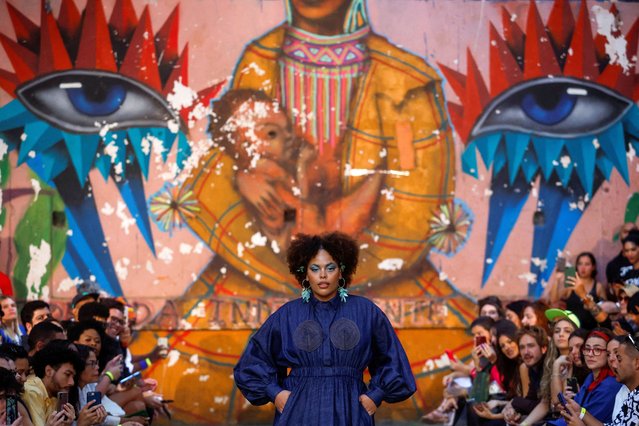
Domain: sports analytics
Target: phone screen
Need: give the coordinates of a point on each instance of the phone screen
(479, 340)
(573, 384)
(12, 409)
(63, 398)
(570, 272)
(94, 396)
(561, 264)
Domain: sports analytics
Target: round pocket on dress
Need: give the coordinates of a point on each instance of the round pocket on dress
(344, 334)
(308, 336)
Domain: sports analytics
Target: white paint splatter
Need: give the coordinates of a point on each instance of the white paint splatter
(35, 184)
(185, 325)
(204, 378)
(529, 277)
(199, 247)
(122, 268)
(107, 209)
(388, 193)
(223, 400)
(199, 311)
(166, 255)
(542, 264)
(391, 264)
(258, 239)
(181, 96)
(565, 161)
(185, 248)
(125, 220)
(173, 358)
(615, 45)
(240, 249)
(40, 258)
(275, 247)
(68, 284)
(4, 148)
(195, 359)
(348, 171)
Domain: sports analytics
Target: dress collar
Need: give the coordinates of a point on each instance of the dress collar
(333, 303)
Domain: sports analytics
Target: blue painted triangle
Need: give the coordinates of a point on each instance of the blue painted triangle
(141, 147)
(166, 137)
(631, 121)
(132, 191)
(184, 150)
(604, 165)
(500, 159)
(14, 115)
(547, 151)
(325, 58)
(564, 173)
(50, 163)
(613, 144)
(506, 203)
(40, 136)
(487, 146)
(561, 219)
(516, 147)
(82, 149)
(530, 166)
(103, 164)
(469, 160)
(583, 154)
(88, 252)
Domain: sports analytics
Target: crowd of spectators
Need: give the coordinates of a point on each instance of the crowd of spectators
(75, 371)
(569, 358)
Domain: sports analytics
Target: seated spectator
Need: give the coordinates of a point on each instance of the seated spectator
(598, 391)
(54, 371)
(11, 331)
(515, 312)
(43, 333)
(581, 292)
(10, 387)
(90, 380)
(33, 313)
(611, 350)
(505, 387)
(628, 374)
(491, 306)
(533, 344)
(534, 314)
(579, 369)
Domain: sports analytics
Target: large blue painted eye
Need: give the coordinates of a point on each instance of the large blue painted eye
(97, 100)
(84, 101)
(554, 107)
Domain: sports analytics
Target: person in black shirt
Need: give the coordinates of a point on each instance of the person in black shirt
(619, 265)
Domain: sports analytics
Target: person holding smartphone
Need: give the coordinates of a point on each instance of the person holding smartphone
(578, 287)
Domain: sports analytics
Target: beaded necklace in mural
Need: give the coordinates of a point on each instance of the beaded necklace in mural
(319, 74)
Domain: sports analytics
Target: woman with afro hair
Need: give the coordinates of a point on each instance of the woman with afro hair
(327, 338)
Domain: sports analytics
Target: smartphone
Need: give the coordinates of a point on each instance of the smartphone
(12, 409)
(480, 340)
(561, 264)
(135, 375)
(570, 272)
(63, 398)
(94, 396)
(573, 384)
(562, 401)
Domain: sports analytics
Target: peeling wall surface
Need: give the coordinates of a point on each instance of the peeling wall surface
(465, 144)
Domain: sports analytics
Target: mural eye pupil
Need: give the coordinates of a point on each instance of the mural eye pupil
(97, 99)
(548, 105)
(272, 134)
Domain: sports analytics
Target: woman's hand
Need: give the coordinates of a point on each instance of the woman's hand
(56, 418)
(69, 414)
(91, 414)
(561, 366)
(487, 351)
(571, 414)
(115, 367)
(368, 404)
(281, 399)
(136, 420)
(483, 410)
(577, 285)
(17, 422)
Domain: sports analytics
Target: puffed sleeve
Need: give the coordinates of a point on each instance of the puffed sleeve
(392, 379)
(257, 374)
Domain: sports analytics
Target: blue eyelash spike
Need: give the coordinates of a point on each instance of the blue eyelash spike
(306, 294)
(343, 294)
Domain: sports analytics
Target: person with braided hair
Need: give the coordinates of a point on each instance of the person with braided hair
(327, 338)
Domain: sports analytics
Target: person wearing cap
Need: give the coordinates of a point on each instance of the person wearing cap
(628, 374)
(82, 299)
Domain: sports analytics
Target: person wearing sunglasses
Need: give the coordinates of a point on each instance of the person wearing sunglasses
(627, 371)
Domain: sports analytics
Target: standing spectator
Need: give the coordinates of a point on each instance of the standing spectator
(11, 331)
(617, 267)
(34, 312)
(490, 306)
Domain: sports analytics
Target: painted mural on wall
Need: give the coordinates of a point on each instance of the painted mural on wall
(173, 166)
